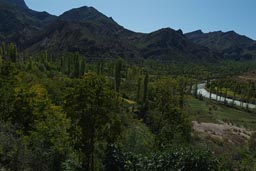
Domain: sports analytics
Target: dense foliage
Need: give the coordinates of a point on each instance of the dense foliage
(63, 113)
(243, 90)
(184, 159)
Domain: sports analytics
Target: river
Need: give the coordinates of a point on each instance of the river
(201, 90)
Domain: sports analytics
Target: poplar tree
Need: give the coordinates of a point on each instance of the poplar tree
(76, 66)
(82, 67)
(145, 88)
(1, 57)
(138, 89)
(13, 53)
(118, 69)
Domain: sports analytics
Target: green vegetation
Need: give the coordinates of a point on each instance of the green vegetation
(209, 111)
(243, 90)
(67, 114)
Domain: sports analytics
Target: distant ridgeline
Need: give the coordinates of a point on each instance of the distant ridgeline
(90, 33)
(229, 44)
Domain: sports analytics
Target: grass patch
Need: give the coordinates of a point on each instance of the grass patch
(209, 111)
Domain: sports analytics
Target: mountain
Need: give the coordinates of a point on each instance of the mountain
(230, 44)
(91, 33)
(84, 38)
(17, 3)
(18, 23)
(166, 43)
(96, 36)
(87, 31)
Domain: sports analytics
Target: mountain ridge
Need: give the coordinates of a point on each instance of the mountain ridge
(231, 44)
(17, 3)
(89, 32)
(19, 23)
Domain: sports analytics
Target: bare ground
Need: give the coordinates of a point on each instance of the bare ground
(223, 131)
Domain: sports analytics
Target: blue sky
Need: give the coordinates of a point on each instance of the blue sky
(150, 15)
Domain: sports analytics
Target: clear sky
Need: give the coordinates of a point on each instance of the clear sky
(150, 15)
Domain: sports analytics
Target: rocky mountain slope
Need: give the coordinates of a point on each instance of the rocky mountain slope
(18, 23)
(230, 44)
(91, 33)
(96, 36)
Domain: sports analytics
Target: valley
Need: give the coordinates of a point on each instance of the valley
(79, 92)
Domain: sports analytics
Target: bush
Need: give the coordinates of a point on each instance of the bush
(182, 159)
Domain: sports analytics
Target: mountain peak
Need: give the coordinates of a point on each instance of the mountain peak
(92, 16)
(195, 35)
(92, 9)
(196, 32)
(81, 14)
(164, 30)
(199, 32)
(18, 3)
(231, 33)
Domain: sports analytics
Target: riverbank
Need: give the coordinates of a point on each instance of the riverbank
(201, 90)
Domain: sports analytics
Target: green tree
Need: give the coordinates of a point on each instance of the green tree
(182, 84)
(13, 52)
(93, 109)
(7, 90)
(62, 65)
(50, 140)
(1, 57)
(145, 90)
(174, 127)
(166, 120)
(118, 69)
(183, 159)
(195, 90)
(138, 90)
(82, 67)
(76, 66)
(50, 126)
(22, 115)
